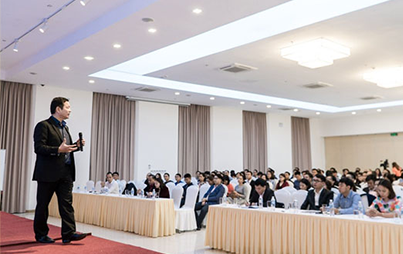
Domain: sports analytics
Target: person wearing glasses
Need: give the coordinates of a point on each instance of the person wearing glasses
(319, 195)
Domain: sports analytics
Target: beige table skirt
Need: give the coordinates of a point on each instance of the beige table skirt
(246, 231)
(146, 217)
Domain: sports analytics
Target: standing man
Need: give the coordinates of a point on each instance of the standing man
(55, 172)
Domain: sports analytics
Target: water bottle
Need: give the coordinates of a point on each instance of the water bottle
(120, 191)
(273, 203)
(78, 188)
(153, 194)
(360, 210)
(132, 192)
(142, 194)
(260, 202)
(85, 189)
(331, 207)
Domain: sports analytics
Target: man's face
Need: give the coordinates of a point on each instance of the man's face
(177, 178)
(299, 177)
(259, 189)
(344, 189)
(329, 178)
(109, 178)
(287, 176)
(317, 183)
(166, 177)
(188, 180)
(371, 184)
(217, 180)
(64, 113)
(116, 176)
(248, 175)
(306, 176)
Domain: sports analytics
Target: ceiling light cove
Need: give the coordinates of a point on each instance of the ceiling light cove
(316, 53)
(243, 31)
(386, 78)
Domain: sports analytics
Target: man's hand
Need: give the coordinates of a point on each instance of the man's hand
(78, 142)
(102, 184)
(63, 148)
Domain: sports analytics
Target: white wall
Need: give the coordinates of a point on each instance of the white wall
(226, 138)
(279, 142)
(156, 139)
(80, 121)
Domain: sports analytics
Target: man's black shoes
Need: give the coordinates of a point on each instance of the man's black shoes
(74, 237)
(45, 239)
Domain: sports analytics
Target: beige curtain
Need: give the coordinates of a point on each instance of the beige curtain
(301, 143)
(15, 108)
(254, 141)
(194, 139)
(112, 136)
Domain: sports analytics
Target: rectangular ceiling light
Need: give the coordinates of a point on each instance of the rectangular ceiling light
(316, 53)
(386, 78)
(277, 20)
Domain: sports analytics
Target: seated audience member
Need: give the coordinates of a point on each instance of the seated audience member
(287, 178)
(345, 172)
(347, 201)
(161, 190)
(282, 182)
(148, 176)
(210, 180)
(297, 180)
(377, 173)
(385, 173)
(352, 176)
(115, 176)
(148, 190)
(239, 192)
(232, 175)
(228, 184)
(318, 196)
(158, 175)
(129, 187)
(387, 203)
(110, 186)
(188, 182)
(261, 190)
(167, 178)
(396, 170)
(201, 179)
(308, 176)
(305, 184)
(271, 179)
(314, 172)
(333, 181)
(178, 179)
(255, 175)
(212, 197)
(335, 173)
(249, 180)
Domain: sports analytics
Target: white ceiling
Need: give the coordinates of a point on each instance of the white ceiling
(373, 34)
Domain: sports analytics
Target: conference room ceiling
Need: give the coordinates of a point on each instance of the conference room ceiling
(374, 36)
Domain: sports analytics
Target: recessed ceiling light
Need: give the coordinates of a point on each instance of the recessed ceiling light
(316, 53)
(212, 98)
(177, 93)
(84, 2)
(318, 113)
(91, 81)
(353, 113)
(152, 30)
(44, 26)
(268, 106)
(117, 46)
(15, 48)
(296, 110)
(89, 58)
(379, 110)
(66, 68)
(197, 11)
(242, 102)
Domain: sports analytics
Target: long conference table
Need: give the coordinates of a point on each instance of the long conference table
(148, 217)
(257, 231)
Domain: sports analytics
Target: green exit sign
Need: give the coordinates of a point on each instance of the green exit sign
(394, 134)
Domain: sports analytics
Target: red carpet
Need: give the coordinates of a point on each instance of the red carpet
(17, 236)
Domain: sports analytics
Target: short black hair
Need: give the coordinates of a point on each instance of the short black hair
(347, 181)
(179, 175)
(166, 174)
(115, 173)
(306, 182)
(187, 175)
(260, 182)
(388, 185)
(321, 177)
(352, 175)
(109, 173)
(370, 177)
(57, 102)
(219, 176)
(297, 173)
(309, 174)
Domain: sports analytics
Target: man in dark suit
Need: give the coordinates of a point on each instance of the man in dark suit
(250, 181)
(319, 195)
(261, 189)
(188, 183)
(212, 197)
(55, 172)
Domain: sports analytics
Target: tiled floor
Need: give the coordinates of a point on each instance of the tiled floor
(183, 243)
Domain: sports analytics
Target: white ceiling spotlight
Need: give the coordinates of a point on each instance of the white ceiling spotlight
(117, 46)
(354, 113)
(89, 58)
(212, 98)
(379, 110)
(15, 48)
(268, 106)
(386, 78)
(296, 110)
(318, 113)
(84, 2)
(316, 53)
(197, 11)
(152, 30)
(177, 93)
(242, 102)
(91, 81)
(44, 26)
(66, 68)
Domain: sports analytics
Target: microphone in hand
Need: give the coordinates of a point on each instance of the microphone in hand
(80, 138)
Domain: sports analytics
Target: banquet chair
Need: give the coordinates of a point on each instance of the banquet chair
(170, 187)
(364, 201)
(283, 197)
(226, 190)
(90, 185)
(290, 189)
(248, 190)
(398, 190)
(185, 216)
(300, 196)
(98, 187)
(234, 182)
(203, 189)
(177, 193)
